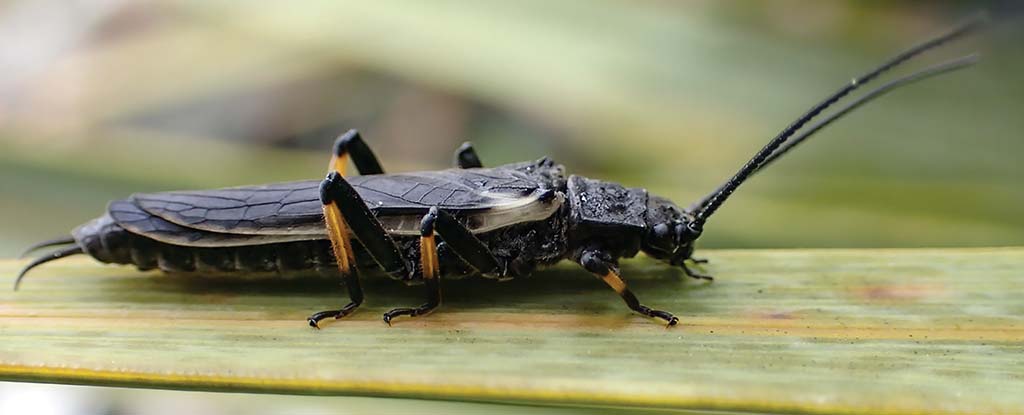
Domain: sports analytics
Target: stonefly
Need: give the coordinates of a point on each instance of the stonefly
(500, 222)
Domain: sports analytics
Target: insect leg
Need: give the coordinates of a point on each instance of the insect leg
(341, 245)
(466, 158)
(431, 271)
(352, 143)
(342, 201)
(346, 213)
(600, 263)
(355, 293)
(462, 241)
(694, 274)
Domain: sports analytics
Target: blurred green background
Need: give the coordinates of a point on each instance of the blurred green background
(99, 100)
(102, 99)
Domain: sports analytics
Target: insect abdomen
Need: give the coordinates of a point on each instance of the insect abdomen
(108, 242)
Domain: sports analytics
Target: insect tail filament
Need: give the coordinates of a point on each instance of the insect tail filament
(55, 255)
(64, 240)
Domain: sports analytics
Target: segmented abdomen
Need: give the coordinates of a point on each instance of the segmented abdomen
(107, 241)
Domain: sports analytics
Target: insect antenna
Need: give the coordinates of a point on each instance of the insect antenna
(64, 240)
(58, 254)
(932, 71)
(719, 197)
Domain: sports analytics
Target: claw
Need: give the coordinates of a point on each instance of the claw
(696, 275)
(669, 318)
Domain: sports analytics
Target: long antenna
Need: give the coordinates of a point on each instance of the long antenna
(753, 164)
(932, 71)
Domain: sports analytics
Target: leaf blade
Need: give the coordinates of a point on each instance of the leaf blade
(836, 331)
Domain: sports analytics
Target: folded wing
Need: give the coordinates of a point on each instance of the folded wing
(290, 211)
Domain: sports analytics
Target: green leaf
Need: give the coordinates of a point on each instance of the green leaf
(815, 331)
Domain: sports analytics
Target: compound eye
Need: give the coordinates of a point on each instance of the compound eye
(680, 230)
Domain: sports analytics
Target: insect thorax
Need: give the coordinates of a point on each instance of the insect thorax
(607, 214)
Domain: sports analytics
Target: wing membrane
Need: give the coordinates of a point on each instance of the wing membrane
(133, 219)
(275, 209)
(294, 207)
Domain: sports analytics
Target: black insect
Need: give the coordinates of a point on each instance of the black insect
(501, 222)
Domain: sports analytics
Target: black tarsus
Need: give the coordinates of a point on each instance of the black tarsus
(355, 294)
(931, 71)
(694, 274)
(61, 253)
(433, 290)
(64, 240)
(696, 226)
